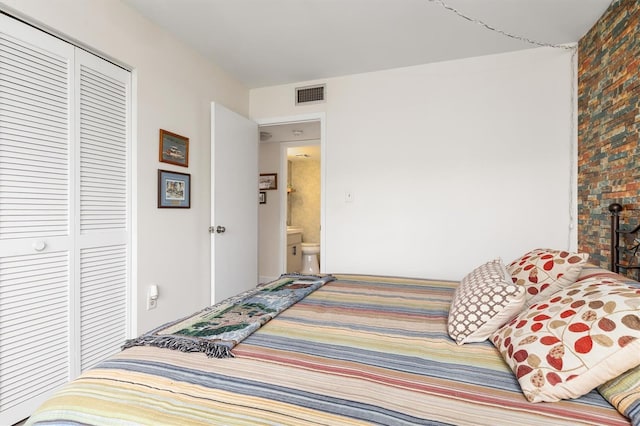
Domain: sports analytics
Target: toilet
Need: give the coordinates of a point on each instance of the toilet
(310, 253)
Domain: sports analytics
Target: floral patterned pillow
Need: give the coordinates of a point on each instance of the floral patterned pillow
(573, 341)
(544, 271)
(485, 300)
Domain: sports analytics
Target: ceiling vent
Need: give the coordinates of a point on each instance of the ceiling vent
(310, 94)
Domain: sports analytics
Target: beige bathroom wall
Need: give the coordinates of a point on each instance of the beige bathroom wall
(305, 199)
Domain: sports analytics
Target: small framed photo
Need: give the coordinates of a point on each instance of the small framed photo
(174, 149)
(268, 181)
(174, 190)
(262, 197)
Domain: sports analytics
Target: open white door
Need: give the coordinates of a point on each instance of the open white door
(234, 203)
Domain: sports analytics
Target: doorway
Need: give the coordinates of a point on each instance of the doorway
(293, 149)
(303, 165)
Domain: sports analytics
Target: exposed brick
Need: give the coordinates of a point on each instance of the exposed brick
(608, 125)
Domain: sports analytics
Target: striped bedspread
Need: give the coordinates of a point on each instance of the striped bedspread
(360, 350)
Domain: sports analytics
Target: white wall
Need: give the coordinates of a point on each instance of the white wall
(269, 258)
(450, 164)
(175, 86)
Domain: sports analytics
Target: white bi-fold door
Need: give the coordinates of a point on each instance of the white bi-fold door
(64, 213)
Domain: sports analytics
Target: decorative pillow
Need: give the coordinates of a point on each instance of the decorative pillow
(623, 392)
(485, 299)
(544, 271)
(573, 341)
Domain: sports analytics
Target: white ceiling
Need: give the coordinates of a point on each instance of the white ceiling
(306, 133)
(271, 42)
(300, 131)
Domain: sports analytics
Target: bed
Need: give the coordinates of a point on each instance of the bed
(356, 350)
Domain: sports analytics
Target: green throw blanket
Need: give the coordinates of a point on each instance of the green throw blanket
(217, 329)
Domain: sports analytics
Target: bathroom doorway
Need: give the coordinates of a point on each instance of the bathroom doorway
(292, 150)
(303, 207)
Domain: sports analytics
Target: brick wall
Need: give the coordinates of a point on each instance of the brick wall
(608, 124)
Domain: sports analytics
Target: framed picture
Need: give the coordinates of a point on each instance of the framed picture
(174, 190)
(262, 197)
(174, 149)
(268, 181)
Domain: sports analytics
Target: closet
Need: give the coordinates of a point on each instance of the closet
(65, 225)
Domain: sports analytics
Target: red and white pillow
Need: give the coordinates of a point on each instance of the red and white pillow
(544, 271)
(572, 341)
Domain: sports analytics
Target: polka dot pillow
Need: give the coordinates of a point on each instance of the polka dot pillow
(485, 299)
(575, 340)
(544, 271)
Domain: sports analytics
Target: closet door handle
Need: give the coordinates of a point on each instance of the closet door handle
(39, 245)
(294, 250)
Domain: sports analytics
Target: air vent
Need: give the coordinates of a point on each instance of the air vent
(310, 94)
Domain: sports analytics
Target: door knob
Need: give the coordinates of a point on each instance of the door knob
(39, 245)
(220, 229)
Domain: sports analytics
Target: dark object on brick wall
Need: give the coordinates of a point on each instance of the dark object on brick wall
(625, 256)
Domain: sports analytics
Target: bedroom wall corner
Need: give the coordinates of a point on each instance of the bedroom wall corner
(608, 125)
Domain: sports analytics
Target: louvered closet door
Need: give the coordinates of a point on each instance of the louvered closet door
(103, 231)
(35, 216)
(64, 214)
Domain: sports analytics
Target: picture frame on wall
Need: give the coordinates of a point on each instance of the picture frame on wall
(268, 181)
(174, 190)
(262, 197)
(174, 149)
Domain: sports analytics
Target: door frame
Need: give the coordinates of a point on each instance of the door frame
(321, 118)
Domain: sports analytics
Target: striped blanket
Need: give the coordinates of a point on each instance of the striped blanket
(359, 350)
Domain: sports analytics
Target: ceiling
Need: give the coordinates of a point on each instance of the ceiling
(272, 42)
(306, 133)
(300, 131)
